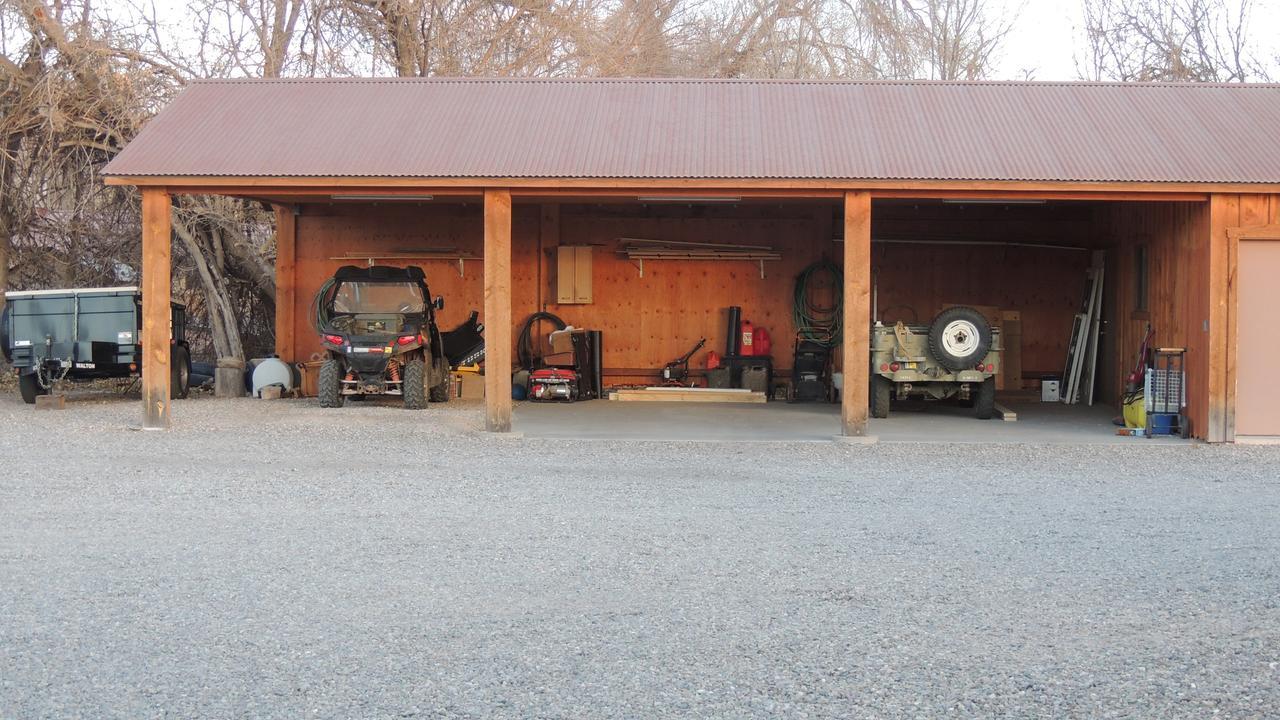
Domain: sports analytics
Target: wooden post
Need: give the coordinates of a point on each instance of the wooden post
(156, 313)
(1224, 213)
(286, 288)
(497, 310)
(857, 313)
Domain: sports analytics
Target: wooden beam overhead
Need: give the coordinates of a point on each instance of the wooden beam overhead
(854, 397)
(497, 310)
(156, 304)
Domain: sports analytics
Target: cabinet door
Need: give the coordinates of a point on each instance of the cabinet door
(565, 257)
(582, 275)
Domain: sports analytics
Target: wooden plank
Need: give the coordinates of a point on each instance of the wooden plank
(857, 313)
(156, 313)
(683, 395)
(497, 310)
(286, 281)
(1005, 413)
(566, 257)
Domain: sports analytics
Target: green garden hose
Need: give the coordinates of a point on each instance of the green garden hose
(816, 322)
(320, 306)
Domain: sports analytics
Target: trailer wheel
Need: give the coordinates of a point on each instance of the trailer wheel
(984, 400)
(329, 383)
(29, 388)
(179, 372)
(440, 390)
(881, 393)
(959, 338)
(414, 386)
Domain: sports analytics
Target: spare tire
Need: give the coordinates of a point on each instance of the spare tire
(959, 338)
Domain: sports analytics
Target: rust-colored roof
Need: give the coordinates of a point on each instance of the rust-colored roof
(714, 129)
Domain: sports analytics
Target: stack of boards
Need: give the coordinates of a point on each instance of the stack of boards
(688, 395)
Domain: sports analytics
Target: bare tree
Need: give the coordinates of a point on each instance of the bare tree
(1171, 40)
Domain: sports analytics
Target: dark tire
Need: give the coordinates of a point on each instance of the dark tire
(29, 388)
(984, 400)
(440, 390)
(414, 386)
(179, 372)
(881, 393)
(959, 338)
(329, 383)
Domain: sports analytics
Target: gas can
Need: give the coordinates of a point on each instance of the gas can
(748, 339)
(763, 343)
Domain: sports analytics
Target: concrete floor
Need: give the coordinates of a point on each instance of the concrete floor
(1038, 423)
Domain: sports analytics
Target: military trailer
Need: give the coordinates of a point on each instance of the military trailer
(955, 357)
(49, 336)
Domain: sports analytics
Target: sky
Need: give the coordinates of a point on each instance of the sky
(1047, 35)
(1042, 41)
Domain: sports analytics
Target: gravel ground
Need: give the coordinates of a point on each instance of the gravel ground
(277, 560)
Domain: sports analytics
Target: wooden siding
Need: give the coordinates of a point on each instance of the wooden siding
(1176, 237)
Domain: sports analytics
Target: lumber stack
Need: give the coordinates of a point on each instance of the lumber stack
(688, 395)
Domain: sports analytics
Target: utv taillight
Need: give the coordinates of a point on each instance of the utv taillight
(407, 339)
(333, 339)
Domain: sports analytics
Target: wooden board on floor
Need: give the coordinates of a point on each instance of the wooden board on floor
(1006, 414)
(681, 394)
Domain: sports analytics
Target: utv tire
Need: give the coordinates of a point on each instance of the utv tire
(440, 390)
(414, 386)
(881, 393)
(29, 388)
(179, 372)
(959, 338)
(329, 383)
(984, 400)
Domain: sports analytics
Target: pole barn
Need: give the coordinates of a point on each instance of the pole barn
(924, 193)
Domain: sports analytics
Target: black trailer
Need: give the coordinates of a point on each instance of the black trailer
(53, 335)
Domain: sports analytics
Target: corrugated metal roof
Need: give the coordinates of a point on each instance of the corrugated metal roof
(605, 128)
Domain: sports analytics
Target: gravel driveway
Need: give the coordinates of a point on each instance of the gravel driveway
(276, 560)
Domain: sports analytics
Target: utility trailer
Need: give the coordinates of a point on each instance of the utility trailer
(49, 336)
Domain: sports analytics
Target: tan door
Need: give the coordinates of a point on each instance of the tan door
(1258, 343)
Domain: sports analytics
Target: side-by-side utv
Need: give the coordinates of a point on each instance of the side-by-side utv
(378, 327)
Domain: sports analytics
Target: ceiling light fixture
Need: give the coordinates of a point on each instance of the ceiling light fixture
(986, 201)
(411, 198)
(688, 199)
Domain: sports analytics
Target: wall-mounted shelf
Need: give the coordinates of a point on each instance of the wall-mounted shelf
(460, 258)
(637, 251)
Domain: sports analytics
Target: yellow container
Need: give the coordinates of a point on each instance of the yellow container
(1135, 411)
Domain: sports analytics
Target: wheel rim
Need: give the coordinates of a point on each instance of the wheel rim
(184, 376)
(960, 338)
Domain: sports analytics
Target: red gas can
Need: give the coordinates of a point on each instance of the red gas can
(763, 343)
(748, 339)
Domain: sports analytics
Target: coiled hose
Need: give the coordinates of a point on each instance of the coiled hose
(524, 341)
(813, 321)
(320, 305)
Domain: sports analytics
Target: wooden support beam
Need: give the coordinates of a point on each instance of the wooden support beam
(156, 312)
(857, 313)
(286, 282)
(1224, 213)
(497, 310)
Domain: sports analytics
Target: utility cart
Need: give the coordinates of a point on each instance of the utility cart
(49, 336)
(1165, 390)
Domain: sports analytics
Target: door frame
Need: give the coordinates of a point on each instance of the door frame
(1234, 236)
